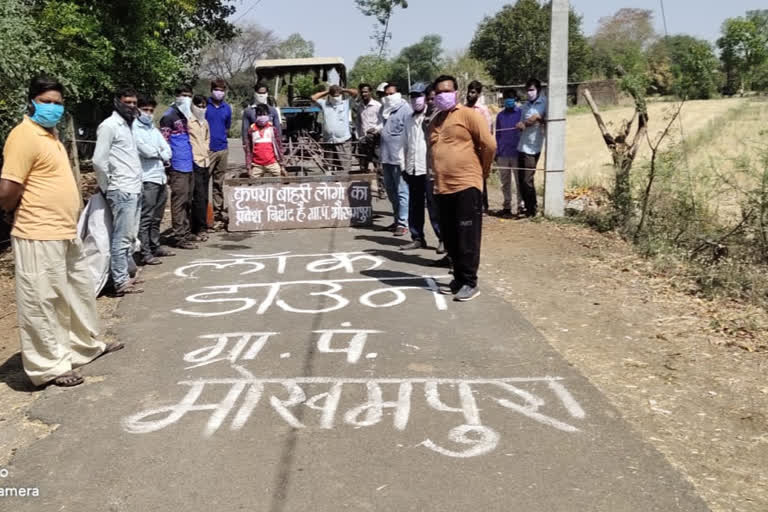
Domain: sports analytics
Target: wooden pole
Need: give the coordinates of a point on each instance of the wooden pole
(74, 159)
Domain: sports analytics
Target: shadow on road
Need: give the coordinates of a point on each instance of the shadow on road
(383, 240)
(12, 374)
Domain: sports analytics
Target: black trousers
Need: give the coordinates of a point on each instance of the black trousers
(198, 218)
(153, 199)
(461, 225)
(527, 164)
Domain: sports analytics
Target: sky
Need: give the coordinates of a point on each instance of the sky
(338, 29)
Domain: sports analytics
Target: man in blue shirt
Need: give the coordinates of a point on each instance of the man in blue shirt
(531, 142)
(507, 139)
(174, 127)
(218, 113)
(337, 137)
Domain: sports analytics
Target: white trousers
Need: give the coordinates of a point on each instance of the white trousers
(56, 305)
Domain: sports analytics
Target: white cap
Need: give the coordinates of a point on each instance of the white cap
(382, 87)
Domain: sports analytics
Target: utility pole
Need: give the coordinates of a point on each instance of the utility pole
(408, 67)
(554, 178)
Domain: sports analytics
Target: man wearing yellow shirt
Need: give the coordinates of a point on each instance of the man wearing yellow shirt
(58, 321)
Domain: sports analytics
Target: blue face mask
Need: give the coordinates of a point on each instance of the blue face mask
(509, 103)
(47, 115)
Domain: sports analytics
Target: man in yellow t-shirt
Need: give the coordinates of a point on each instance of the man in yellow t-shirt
(58, 321)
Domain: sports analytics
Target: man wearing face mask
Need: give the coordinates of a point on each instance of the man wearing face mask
(531, 142)
(119, 175)
(154, 151)
(462, 154)
(395, 113)
(218, 114)
(337, 136)
(260, 97)
(416, 169)
(175, 128)
(55, 302)
(476, 100)
(200, 137)
(507, 139)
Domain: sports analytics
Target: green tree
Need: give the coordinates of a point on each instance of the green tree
(94, 46)
(744, 49)
(371, 69)
(466, 69)
(685, 66)
(424, 59)
(382, 11)
(514, 43)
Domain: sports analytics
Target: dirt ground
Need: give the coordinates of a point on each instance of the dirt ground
(651, 348)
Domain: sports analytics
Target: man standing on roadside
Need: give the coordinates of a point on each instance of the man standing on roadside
(531, 141)
(55, 302)
(154, 152)
(175, 128)
(475, 101)
(218, 114)
(368, 126)
(462, 154)
(416, 164)
(395, 113)
(200, 138)
(336, 134)
(119, 175)
(507, 139)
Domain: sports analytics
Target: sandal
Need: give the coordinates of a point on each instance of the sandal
(127, 289)
(164, 252)
(154, 260)
(68, 379)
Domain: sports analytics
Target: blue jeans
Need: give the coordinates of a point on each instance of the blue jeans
(126, 214)
(397, 191)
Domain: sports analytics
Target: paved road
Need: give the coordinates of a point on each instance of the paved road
(307, 381)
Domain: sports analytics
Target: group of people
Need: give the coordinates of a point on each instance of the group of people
(135, 162)
(436, 155)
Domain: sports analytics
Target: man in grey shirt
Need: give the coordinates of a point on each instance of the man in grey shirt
(118, 172)
(395, 113)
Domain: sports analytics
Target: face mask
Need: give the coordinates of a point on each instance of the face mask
(445, 101)
(218, 95)
(184, 101)
(127, 112)
(47, 115)
(262, 120)
(532, 95)
(198, 112)
(260, 99)
(393, 99)
(336, 100)
(509, 103)
(419, 103)
(145, 118)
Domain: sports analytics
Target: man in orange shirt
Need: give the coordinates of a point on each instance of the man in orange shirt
(462, 154)
(55, 301)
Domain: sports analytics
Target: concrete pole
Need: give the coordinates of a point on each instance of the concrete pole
(554, 179)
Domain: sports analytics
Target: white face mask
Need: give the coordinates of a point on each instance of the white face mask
(184, 103)
(336, 100)
(261, 99)
(393, 99)
(198, 112)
